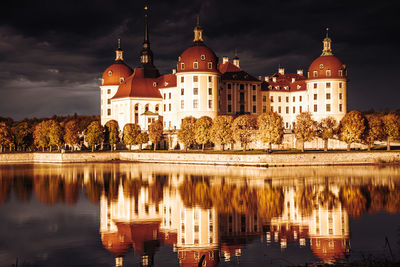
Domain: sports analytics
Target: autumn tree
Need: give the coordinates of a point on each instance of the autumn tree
(270, 128)
(71, 136)
(202, 131)
(6, 136)
(305, 128)
(352, 128)
(374, 131)
(131, 131)
(112, 133)
(243, 128)
(221, 130)
(155, 132)
(142, 138)
(186, 134)
(41, 135)
(23, 135)
(55, 133)
(94, 134)
(391, 127)
(326, 130)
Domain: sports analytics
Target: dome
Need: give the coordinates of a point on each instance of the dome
(327, 67)
(329, 249)
(114, 242)
(113, 74)
(204, 56)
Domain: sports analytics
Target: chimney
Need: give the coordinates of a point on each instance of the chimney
(266, 78)
(300, 72)
(281, 71)
(274, 79)
(236, 62)
(260, 78)
(293, 80)
(225, 60)
(173, 71)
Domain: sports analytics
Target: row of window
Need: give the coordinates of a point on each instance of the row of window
(196, 79)
(196, 65)
(195, 91)
(229, 97)
(327, 85)
(242, 108)
(328, 73)
(327, 109)
(195, 104)
(280, 99)
(241, 86)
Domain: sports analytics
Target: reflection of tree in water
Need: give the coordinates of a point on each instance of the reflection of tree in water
(156, 189)
(93, 189)
(270, 202)
(354, 200)
(49, 189)
(393, 201)
(327, 199)
(196, 193)
(378, 195)
(5, 189)
(244, 200)
(305, 198)
(222, 197)
(71, 192)
(23, 187)
(111, 186)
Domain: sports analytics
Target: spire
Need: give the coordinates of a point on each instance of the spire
(118, 53)
(236, 60)
(198, 32)
(146, 55)
(146, 25)
(327, 48)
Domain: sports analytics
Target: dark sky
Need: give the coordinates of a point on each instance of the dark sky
(52, 53)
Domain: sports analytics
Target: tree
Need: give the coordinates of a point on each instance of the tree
(374, 131)
(243, 128)
(55, 133)
(6, 136)
(71, 136)
(155, 132)
(94, 134)
(326, 130)
(305, 128)
(221, 131)
(112, 133)
(41, 135)
(186, 134)
(391, 127)
(142, 138)
(131, 131)
(352, 128)
(202, 131)
(270, 128)
(23, 135)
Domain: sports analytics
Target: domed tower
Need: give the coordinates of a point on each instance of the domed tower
(327, 85)
(112, 77)
(197, 80)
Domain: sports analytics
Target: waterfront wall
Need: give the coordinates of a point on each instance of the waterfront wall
(294, 159)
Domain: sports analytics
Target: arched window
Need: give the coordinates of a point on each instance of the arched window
(136, 113)
(146, 108)
(195, 65)
(157, 108)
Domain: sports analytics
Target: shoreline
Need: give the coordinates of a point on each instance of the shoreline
(193, 158)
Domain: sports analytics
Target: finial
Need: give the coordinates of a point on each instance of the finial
(119, 43)
(235, 52)
(198, 21)
(327, 31)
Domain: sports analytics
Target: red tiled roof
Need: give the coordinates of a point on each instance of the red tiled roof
(194, 54)
(113, 74)
(329, 249)
(324, 63)
(167, 80)
(285, 83)
(228, 67)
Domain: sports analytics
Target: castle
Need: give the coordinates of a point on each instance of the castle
(202, 86)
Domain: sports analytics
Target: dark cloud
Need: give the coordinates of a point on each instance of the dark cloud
(52, 53)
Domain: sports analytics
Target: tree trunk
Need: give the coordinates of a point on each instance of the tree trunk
(244, 147)
(369, 147)
(326, 145)
(202, 147)
(302, 146)
(155, 146)
(388, 144)
(348, 146)
(1, 149)
(50, 148)
(223, 146)
(140, 147)
(270, 147)
(186, 147)
(43, 148)
(92, 148)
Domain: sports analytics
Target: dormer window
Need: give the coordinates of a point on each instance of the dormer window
(203, 57)
(195, 65)
(121, 80)
(340, 73)
(179, 58)
(209, 65)
(109, 72)
(154, 84)
(286, 88)
(321, 66)
(315, 73)
(182, 66)
(166, 83)
(328, 73)
(277, 88)
(298, 87)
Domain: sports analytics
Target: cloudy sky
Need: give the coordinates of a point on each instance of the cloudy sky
(52, 53)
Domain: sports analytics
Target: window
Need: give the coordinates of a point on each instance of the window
(264, 109)
(203, 57)
(242, 87)
(146, 108)
(328, 85)
(287, 99)
(210, 104)
(229, 108)
(340, 95)
(229, 97)
(279, 99)
(340, 73)
(287, 125)
(254, 98)
(108, 91)
(315, 73)
(110, 73)
(209, 65)
(195, 79)
(196, 228)
(264, 99)
(182, 104)
(165, 95)
(195, 91)
(328, 107)
(109, 112)
(182, 66)
(182, 79)
(165, 107)
(287, 110)
(169, 95)
(169, 107)
(301, 109)
(272, 109)
(340, 85)
(328, 73)
(241, 97)
(272, 99)
(279, 110)
(254, 109)
(182, 91)
(209, 79)
(109, 101)
(294, 99)
(328, 96)
(121, 79)
(315, 85)
(156, 109)
(254, 87)
(315, 96)
(294, 110)
(229, 86)
(340, 107)
(195, 65)
(315, 108)
(195, 103)
(300, 98)
(209, 91)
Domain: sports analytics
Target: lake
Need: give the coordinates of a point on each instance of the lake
(125, 214)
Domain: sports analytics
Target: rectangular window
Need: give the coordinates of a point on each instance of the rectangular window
(264, 98)
(328, 107)
(182, 104)
(210, 104)
(254, 98)
(209, 91)
(254, 87)
(109, 112)
(300, 98)
(241, 97)
(340, 95)
(165, 96)
(315, 73)
(328, 96)
(109, 101)
(229, 96)
(340, 73)
(229, 108)
(242, 87)
(229, 86)
(294, 99)
(294, 110)
(272, 109)
(328, 85)
(182, 79)
(315, 85)
(108, 91)
(315, 96)
(264, 109)
(315, 108)
(301, 109)
(287, 99)
(340, 107)
(195, 65)
(279, 99)
(209, 79)
(328, 73)
(340, 85)
(196, 228)
(169, 107)
(165, 107)
(287, 110)
(195, 91)
(279, 110)
(272, 99)
(195, 79)
(209, 65)
(169, 95)
(182, 91)
(195, 103)
(182, 66)
(254, 109)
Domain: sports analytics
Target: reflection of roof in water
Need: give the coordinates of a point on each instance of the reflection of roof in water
(330, 249)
